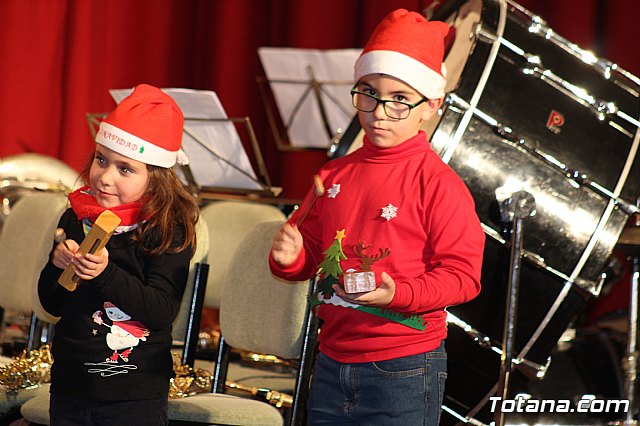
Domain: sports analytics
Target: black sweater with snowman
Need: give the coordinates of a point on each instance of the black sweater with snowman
(113, 339)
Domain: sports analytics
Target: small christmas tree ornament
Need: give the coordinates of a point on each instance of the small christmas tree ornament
(330, 268)
(364, 280)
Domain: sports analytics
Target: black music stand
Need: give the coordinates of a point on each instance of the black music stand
(311, 92)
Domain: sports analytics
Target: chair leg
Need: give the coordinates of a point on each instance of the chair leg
(48, 338)
(222, 364)
(307, 360)
(40, 332)
(33, 339)
(195, 314)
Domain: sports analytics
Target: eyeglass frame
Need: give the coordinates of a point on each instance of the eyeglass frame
(384, 103)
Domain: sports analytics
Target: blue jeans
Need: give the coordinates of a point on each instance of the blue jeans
(403, 391)
(65, 411)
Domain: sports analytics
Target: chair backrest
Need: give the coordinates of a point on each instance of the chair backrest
(25, 243)
(258, 312)
(228, 223)
(188, 320)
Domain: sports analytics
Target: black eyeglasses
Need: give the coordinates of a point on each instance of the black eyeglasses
(396, 110)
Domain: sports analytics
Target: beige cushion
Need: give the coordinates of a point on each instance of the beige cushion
(220, 409)
(228, 222)
(258, 312)
(8, 400)
(255, 375)
(36, 410)
(205, 408)
(25, 244)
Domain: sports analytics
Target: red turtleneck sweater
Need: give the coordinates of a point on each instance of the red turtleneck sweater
(406, 199)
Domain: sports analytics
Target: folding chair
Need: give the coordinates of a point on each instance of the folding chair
(261, 314)
(228, 223)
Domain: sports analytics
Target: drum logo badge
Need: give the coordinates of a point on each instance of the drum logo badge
(555, 121)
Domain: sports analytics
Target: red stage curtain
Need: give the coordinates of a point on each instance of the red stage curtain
(59, 58)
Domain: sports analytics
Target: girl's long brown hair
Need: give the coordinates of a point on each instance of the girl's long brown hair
(170, 208)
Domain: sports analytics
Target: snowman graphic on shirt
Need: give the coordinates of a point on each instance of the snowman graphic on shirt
(124, 334)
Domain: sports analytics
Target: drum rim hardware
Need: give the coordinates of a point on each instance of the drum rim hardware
(482, 82)
(506, 134)
(576, 177)
(528, 367)
(607, 68)
(601, 108)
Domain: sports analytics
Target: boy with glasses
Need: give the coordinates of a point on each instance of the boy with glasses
(395, 210)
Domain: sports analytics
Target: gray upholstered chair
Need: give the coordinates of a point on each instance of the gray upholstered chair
(261, 314)
(185, 327)
(26, 240)
(229, 222)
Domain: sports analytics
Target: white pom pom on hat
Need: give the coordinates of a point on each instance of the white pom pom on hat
(407, 46)
(145, 126)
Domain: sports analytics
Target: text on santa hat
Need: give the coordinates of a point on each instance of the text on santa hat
(107, 135)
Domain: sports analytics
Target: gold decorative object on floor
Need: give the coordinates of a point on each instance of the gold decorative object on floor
(188, 381)
(30, 369)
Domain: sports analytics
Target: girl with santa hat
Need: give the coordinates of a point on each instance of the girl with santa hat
(116, 370)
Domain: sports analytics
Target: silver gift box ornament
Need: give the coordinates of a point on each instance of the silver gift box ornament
(358, 282)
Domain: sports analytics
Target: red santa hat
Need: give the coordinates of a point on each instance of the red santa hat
(146, 126)
(407, 46)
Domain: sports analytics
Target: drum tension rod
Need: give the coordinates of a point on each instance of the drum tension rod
(576, 176)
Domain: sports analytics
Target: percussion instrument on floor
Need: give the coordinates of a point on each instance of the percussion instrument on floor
(528, 110)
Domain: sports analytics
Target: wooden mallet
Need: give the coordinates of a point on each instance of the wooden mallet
(318, 191)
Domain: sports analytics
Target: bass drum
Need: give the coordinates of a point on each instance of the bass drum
(528, 110)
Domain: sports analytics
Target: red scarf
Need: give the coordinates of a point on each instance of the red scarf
(85, 205)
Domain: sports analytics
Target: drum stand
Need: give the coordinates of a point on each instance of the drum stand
(520, 205)
(629, 243)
